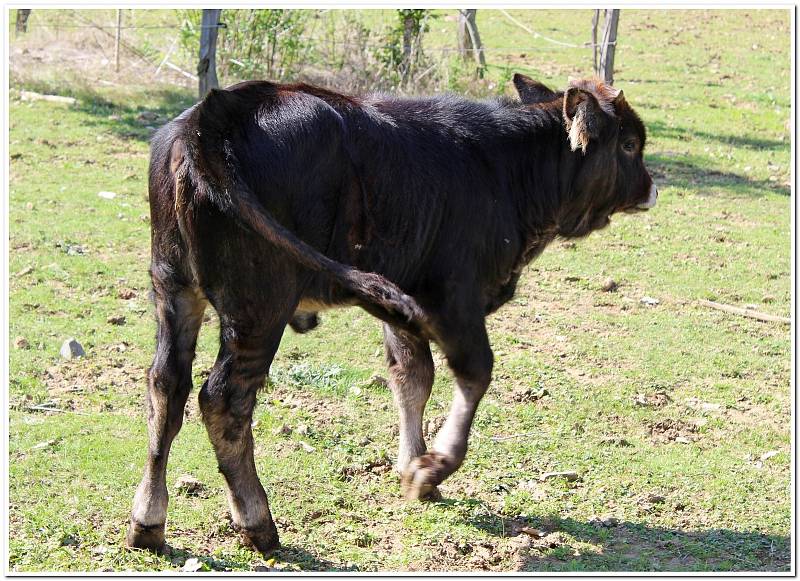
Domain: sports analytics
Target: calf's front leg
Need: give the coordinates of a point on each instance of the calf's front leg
(471, 360)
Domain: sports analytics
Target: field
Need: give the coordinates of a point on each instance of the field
(675, 417)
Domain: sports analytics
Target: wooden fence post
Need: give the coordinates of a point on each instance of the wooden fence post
(22, 20)
(608, 46)
(207, 67)
(409, 26)
(595, 22)
(117, 39)
(469, 40)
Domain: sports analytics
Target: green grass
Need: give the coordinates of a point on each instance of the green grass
(715, 108)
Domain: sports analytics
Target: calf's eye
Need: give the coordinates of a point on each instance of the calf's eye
(629, 146)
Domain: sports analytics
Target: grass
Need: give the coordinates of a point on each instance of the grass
(666, 412)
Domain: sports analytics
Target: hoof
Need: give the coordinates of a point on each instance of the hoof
(150, 537)
(433, 495)
(422, 476)
(264, 540)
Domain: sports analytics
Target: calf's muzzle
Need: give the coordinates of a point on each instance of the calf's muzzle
(651, 199)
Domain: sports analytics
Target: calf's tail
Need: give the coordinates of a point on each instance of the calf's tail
(380, 296)
(223, 185)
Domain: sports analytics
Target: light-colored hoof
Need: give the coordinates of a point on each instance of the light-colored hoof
(149, 537)
(423, 475)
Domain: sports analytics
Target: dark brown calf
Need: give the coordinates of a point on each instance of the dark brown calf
(272, 201)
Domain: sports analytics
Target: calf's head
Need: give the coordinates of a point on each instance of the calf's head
(604, 144)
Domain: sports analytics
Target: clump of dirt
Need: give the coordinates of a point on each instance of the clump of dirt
(188, 485)
(461, 555)
(127, 294)
(615, 441)
(549, 541)
(533, 544)
(379, 466)
(451, 548)
(671, 430)
(528, 394)
(432, 426)
(512, 551)
(368, 469)
(657, 399)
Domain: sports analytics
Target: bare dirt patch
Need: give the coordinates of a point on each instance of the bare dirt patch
(72, 383)
(451, 554)
(87, 56)
(748, 414)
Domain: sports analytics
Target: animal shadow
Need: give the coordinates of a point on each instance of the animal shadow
(558, 543)
(285, 557)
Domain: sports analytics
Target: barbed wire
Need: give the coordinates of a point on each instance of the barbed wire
(114, 27)
(223, 25)
(543, 37)
(428, 48)
(86, 23)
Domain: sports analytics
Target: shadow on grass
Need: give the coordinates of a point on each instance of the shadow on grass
(134, 116)
(691, 172)
(688, 173)
(136, 123)
(659, 129)
(309, 562)
(285, 554)
(631, 546)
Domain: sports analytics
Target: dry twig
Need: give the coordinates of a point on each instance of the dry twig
(746, 312)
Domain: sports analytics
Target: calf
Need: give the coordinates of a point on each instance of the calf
(272, 202)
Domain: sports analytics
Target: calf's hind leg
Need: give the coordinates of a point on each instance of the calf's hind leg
(227, 400)
(179, 314)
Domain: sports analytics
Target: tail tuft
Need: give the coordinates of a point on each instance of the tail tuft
(385, 294)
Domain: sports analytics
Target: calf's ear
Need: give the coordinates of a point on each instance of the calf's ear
(583, 118)
(619, 101)
(531, 92)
